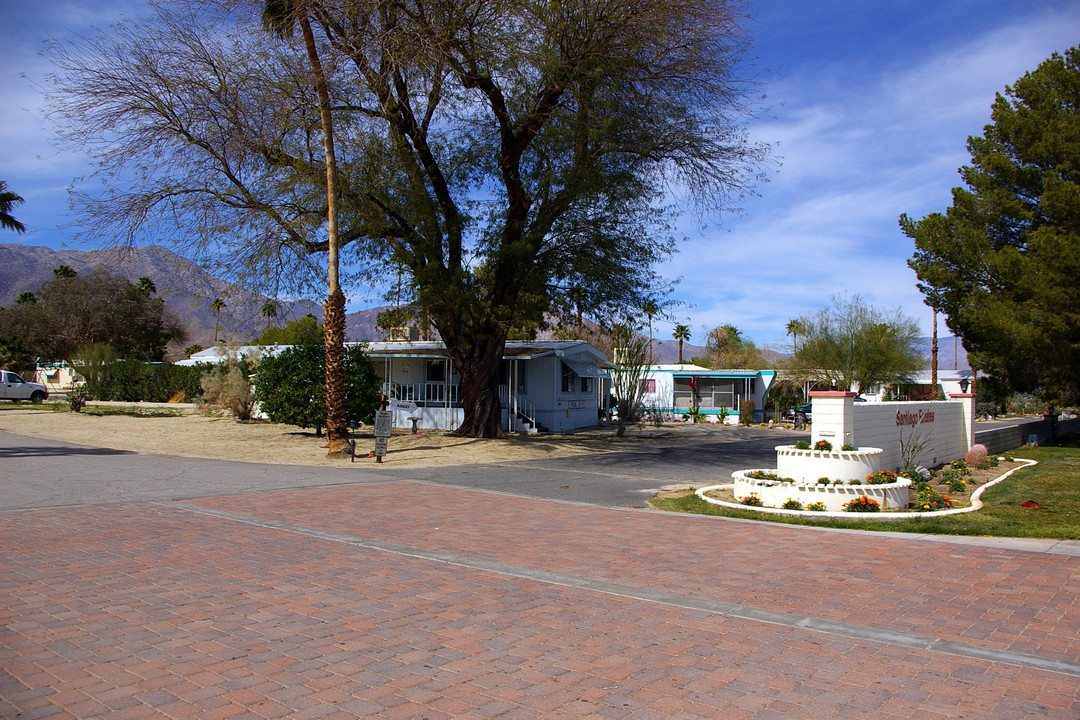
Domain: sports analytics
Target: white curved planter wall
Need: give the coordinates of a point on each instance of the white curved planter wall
(809, 465)
(775, 494)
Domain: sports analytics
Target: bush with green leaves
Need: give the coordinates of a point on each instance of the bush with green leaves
(137, 381)
(291, 387)
(792, 504)
(802, 445)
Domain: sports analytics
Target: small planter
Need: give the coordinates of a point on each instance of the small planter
(809, 465)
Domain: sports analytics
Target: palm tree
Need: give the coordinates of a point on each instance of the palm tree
(269, 311)
(280, 17)
(217, 305)
(146, 286)
(651, 309)
(8, 201)
(794, 329)
(63, 271)
(26, 298)
(682, 334)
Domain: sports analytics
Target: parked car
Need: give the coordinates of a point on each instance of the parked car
(13, 387)
(803, 410)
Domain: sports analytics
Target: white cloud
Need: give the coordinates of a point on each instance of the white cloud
(856, 153)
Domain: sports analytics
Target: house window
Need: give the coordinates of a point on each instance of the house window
(647, 386)
(586, 384)
(436, 371)
(568, 376)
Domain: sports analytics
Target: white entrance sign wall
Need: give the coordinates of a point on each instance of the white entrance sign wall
(945, 426)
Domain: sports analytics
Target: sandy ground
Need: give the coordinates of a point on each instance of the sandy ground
(188, 433)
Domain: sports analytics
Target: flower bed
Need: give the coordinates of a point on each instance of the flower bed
(773, 490)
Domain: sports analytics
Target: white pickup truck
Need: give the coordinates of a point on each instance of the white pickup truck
(13, 387)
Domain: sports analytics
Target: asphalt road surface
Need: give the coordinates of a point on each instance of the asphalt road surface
(38, 473)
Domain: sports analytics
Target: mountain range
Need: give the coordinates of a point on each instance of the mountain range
(188, 290)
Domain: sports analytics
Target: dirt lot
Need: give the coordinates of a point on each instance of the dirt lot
(188, 433)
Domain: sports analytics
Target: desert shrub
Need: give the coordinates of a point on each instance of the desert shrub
(862, 504)
(76, 398)
(746, 411)
(229, 389)
(791, 504)
(977, 454)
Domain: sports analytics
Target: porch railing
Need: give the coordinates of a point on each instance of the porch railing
(425, 394)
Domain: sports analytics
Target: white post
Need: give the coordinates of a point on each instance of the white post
(969, 417)
(832, 417)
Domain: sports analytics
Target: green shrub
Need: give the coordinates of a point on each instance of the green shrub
(752, 500)
(848, 447)
(138, 381)
(816, 506)
(823, 445)
(881, 477)
(291, 386)
(823, 481)
(791, 504)
(957, 486)
(802, 445)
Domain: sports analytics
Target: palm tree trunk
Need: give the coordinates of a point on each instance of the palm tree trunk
(337, 430)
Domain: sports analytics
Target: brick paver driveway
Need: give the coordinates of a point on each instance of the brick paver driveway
(396, 598)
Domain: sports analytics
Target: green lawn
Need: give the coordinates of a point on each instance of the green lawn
(1054, 483)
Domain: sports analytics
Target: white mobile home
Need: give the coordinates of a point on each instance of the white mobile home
(676, 389)
(544, 386)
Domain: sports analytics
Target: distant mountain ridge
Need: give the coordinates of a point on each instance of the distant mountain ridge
(186, 288)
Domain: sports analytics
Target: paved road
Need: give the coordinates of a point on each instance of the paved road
(45, 473)
(400, 598)
(620, 478)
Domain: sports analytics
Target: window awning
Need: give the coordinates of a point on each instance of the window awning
(586, 369)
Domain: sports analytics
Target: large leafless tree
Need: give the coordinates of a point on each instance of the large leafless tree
(509, 155)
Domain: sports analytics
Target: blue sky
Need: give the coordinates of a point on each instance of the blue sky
(868, 107)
